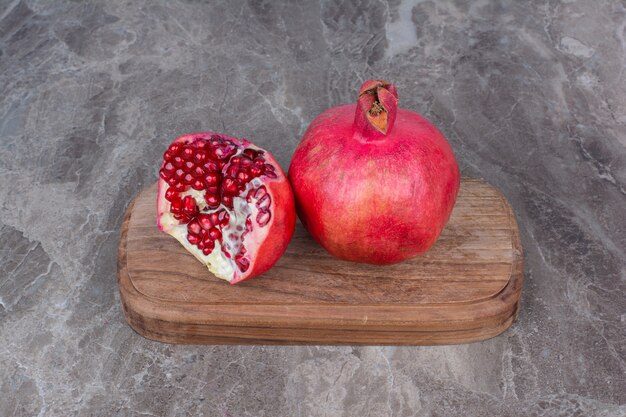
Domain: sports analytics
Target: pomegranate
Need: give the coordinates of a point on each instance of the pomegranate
(227, 202)
(374, 183)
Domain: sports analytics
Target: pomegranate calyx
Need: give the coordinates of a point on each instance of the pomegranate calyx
(376, 109)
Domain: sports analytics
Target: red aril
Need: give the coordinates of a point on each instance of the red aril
(374, 183)
(227, 202)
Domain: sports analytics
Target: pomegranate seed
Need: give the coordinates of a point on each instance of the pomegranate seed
(171, 194)
(178, 161)
(270, 174)
(189, 166)
(214, 218)
(227, 201)
(168, 155)
(200, 156)
(250, 153)
(179, 186)
(246, 162)
(189, 205)
(187, 152)
(201, 144)
(201, 245)
(193, 239)
(194, 228)
(198, 185)
(263, 218)
(211, 167)
(169, 167)
(212, 179)
(188, 179)
(218, 153)
(215, 233)
(269, 167)
(174, 148)
(242, 263)
(205, 221)
(224, 219)
(255, 171)
(264, 202)
(210, 245)
(164, 175)
(212, 200)
(176, 207)
(198, 171)
(171, 181)
(260, 192)
(230, 185)
(212, 190)
(243, 176)
(232, 170)
(179, 174)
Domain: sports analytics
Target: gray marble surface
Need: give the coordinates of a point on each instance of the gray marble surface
(531, 95)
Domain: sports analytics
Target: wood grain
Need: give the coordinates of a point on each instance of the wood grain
(466, 288)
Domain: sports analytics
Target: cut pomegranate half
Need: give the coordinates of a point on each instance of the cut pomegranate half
(227, 202)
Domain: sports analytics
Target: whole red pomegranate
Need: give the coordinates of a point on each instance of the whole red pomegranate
(374, 183)
(227, 202)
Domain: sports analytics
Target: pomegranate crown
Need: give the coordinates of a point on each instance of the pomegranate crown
(376, 108)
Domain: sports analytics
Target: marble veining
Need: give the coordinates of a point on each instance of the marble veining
(531, 95)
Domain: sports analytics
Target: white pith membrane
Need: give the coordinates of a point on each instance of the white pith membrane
(245, 206)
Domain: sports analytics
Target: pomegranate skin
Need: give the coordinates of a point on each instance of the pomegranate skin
(375, 191)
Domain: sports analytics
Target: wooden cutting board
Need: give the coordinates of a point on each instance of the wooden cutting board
(466, 288)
